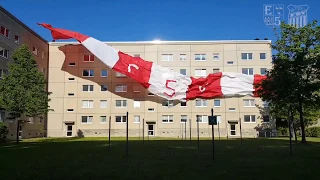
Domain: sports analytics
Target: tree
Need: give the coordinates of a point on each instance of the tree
(294, 81)
(23, 89)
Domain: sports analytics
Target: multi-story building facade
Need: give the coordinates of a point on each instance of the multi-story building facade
(14, 33)
(86, 94)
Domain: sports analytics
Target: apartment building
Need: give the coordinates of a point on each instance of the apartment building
(14, 33)
(86, 94)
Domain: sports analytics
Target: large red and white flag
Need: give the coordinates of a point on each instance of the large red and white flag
(162, 81)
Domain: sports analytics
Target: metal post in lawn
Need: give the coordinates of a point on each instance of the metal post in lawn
(109, 131)
(190, 129)
(185, 130)
(198, 131)
(219, 129)
(143, 131)
(240, 131)
(212, 128)
(290, 137)
(127, 144)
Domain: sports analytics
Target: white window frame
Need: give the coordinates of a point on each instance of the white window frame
(230, 62)
(264, 71)
(121, 88)
(250, 119)
(118, 74)
(182, 117)
(200, 57)
(204, 102)
(2, 54)
(265, 56)
(89, 120)
(215, 56)
(201, 72)
(89, 88)
(104, 70)
(248, 71)
(247, 56)
(167, 118)
(216, 100)
(166, 57)
(16, 41)
(87, 104)
(219, 119)
(5, 30)
(103, 104)
(121, 119)
(249, 102)
(136, 104)
(203, 119)
(89, 72)
(181, 104)
(90, 58)
(136, 88)
(185, 70)
(169, 103)
(183, 57)
(103, 122)
(35, 50)
(122, 102)
(136, 117)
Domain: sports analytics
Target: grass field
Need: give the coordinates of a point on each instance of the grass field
(91, 158)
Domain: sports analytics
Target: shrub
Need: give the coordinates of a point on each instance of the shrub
(282, 131)
(3, 131)
(313, 132)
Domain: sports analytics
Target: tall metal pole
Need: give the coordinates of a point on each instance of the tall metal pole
(290, 133)
(198, 131)
(240, 131)
(143, 131)
(190, 129)
(219, 129)
(109, 131)
(212, 128)
(185, 130)
(127, 143)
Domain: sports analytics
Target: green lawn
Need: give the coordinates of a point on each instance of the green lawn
(167, 159)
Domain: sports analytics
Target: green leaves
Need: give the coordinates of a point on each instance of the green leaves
(23, 90)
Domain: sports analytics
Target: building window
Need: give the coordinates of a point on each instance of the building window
(136, 119)
(183, 104)
(121, 103)
(104, 73)
(2, 116)
(183, 57)
(167, 57)
(121, 88)
(136, 104)
(248, 103)
(87, 88)
(2, 72)
(4, 31)
(200, 57)
(17, 39)
(103, 119)
(218, 119)
(136, 88)
(103, 103)
(216, 56)
(183, 71)
(70, 94)
(215, 70)
(136, 55)
(4, 53)
(201, 103)
(229, 62)
(263, 56)
(88, 58)
(167, 103)
(103, 87)
(167, 118)
(184, 118)
(35, 50)
(88, 73)
(247, 71)
(246, 56)
(69, 110)
(120, 74)
(87, 103)
(266, 118)
(265, 104)
(71, 79)
(86, 119)
(121, 119)
(150, 94)
(217, 103)
(43, 55)
(263, 71)
(200, 72)
(72, 64)
(232, 109)
(249, 118)
(150, 109)
(202, 119)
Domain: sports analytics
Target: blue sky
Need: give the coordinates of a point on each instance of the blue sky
(139, 20)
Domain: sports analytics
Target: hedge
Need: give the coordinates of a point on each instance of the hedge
(3, 131)
(313, 132)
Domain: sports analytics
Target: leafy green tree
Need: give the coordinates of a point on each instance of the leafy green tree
(23, 89)
(294, 81)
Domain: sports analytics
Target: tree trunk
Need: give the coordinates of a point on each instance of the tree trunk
(18, 124)
(303, 134)
(295, 133)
